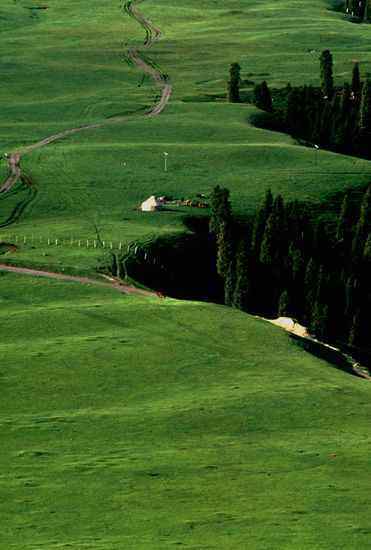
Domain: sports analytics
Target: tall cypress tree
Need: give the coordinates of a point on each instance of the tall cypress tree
(295, 111)
(325, 124)
(225, 251)
(356, 82)
(344, 225)
(367, 251)
(367, 10)
(221, 210)
(260, 222)
(273, 256)
(351, 292)
(242, 288)
(365, 114)
(311, 107)
(346, 109)
(274, 234)
(229, 283)
(338, 123)
(310, 289)
(234, 83)
(284, 305)
(356, 329)
(263, 97)
(363, 227)
(320, 314)
(327, 80)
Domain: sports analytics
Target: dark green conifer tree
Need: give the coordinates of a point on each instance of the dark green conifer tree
(295, 111)
(352, 296)
(295, 277)
(344, 225)
(225, 249)
(363, 227)
(365, 113)
(243, 275)
(356, 82)
(263, 97)
(355, 335)
(260, 222)
(327, 80)
(234, 83)
(273, 254)
(310, 289)
(348, 110)
(338, 124)
(320, 313)
(367, 251)
(320, 242)
(311, 105)
(229, 284)
(274, 234)
(367, 10)
(325, 124)
(220, 209)
(284, 307)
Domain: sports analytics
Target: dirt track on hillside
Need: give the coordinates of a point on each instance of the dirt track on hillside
(133, 54)
(114, 285)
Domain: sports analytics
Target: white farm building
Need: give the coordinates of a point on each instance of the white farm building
(152, 204)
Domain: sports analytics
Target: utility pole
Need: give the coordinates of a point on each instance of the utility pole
(165, 160)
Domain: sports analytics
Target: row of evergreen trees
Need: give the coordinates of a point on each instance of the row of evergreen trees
(334, 118)
(359, 8)
(283, 264)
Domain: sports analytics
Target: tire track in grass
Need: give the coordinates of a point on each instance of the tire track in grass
(20, 207)
(137, 59)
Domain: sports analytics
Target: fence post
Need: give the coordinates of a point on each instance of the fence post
(56, 242)
(48, 241)
(104, 244)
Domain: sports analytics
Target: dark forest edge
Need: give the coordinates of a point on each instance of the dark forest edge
(283, 264)
(357, 10)
(285, 261)
(333, 118)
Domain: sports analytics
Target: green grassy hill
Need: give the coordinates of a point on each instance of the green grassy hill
(63, 66)
(139, 423)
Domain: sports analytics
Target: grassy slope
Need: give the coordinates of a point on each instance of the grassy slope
(135, 423)
(100, 392)
(74, 51)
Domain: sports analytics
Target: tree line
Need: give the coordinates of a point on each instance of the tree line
(283, 264)
(335, 118)
(359, 8)
(338, 119)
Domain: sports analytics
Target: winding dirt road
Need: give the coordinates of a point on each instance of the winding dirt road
(14, 159)
(114, 284)
(152, 35)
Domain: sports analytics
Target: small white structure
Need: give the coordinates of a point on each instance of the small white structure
(152, 204)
